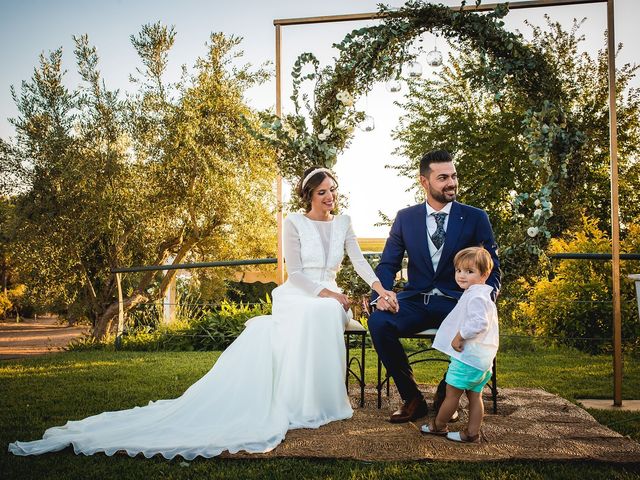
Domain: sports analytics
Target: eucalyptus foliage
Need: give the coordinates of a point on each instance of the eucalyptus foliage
(492, 150)
(506, 62)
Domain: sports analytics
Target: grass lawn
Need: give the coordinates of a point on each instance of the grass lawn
(40, 393)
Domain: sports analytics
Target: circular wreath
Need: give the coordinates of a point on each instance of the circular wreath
(377, 53)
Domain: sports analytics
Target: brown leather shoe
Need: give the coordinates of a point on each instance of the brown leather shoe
(411, 410)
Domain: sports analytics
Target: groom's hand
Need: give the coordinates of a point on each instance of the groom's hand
(388, 302)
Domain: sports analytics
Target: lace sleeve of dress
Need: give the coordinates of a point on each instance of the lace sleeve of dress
(293, 259)
(358, 261)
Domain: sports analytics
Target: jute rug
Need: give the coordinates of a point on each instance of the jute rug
(530, 424)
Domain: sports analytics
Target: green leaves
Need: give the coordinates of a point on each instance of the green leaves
(574, 303)
(515, 145)
(371, 54)
(168, 171)
(153, 44)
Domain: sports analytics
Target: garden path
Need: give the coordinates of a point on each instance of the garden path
(39, 336)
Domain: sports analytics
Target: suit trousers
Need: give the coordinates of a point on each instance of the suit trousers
(416, 313)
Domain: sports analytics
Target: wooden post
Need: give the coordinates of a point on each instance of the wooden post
(120, 312)
(615, 218)
(169, 304)
(280, 267)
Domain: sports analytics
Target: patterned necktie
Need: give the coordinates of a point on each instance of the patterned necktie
(438, 236)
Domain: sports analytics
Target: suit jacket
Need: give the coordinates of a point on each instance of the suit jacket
(467, 227)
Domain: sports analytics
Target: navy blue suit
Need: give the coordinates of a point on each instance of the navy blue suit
(467, 227)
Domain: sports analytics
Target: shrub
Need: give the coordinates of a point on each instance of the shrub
(248, 292)
(213, 329)
(5, 304)
(218, 328)
(575, 303)
(10, 300)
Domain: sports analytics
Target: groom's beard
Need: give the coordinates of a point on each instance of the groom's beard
(445, 196)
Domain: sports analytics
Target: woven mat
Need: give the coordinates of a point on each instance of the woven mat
(530, 424)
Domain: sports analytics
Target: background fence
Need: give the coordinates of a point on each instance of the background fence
(214, 324)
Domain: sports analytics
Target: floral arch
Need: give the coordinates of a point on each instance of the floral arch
(377, 53)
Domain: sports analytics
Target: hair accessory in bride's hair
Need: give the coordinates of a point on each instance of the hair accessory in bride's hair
(312, 173)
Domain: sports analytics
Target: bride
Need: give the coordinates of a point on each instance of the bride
(285, 370)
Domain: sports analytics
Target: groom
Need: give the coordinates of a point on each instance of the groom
(431, 233)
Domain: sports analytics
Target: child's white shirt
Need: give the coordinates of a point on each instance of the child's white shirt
(476, 318)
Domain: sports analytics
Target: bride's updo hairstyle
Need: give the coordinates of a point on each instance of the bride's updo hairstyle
(310, 181)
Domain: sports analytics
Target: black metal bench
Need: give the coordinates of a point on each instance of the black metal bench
(356, 329)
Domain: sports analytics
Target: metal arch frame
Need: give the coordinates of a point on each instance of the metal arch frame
(613, 145)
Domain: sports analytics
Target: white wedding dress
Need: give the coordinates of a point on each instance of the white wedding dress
(285, 370)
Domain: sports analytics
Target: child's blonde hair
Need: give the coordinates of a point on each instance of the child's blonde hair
(476, 256)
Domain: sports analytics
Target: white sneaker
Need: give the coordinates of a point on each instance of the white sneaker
(457, 437)
(427, 431)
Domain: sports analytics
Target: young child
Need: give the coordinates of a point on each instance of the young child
(469, 335)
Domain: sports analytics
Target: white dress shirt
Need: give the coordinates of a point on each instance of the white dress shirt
(436, 253)
(476, 318)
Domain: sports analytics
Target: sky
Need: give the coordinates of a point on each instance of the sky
(30, 27)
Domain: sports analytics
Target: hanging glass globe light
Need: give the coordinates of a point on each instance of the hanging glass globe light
(413, 69)
(367, 124)
(434, 57)
(393, 86)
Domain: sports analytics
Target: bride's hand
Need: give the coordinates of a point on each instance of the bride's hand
(387, 300)
(340, 297)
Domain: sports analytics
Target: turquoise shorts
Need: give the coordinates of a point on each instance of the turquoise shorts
(465, 377)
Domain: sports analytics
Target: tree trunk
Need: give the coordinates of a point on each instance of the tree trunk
(107, 322)
(109, 319)
(186, 247)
